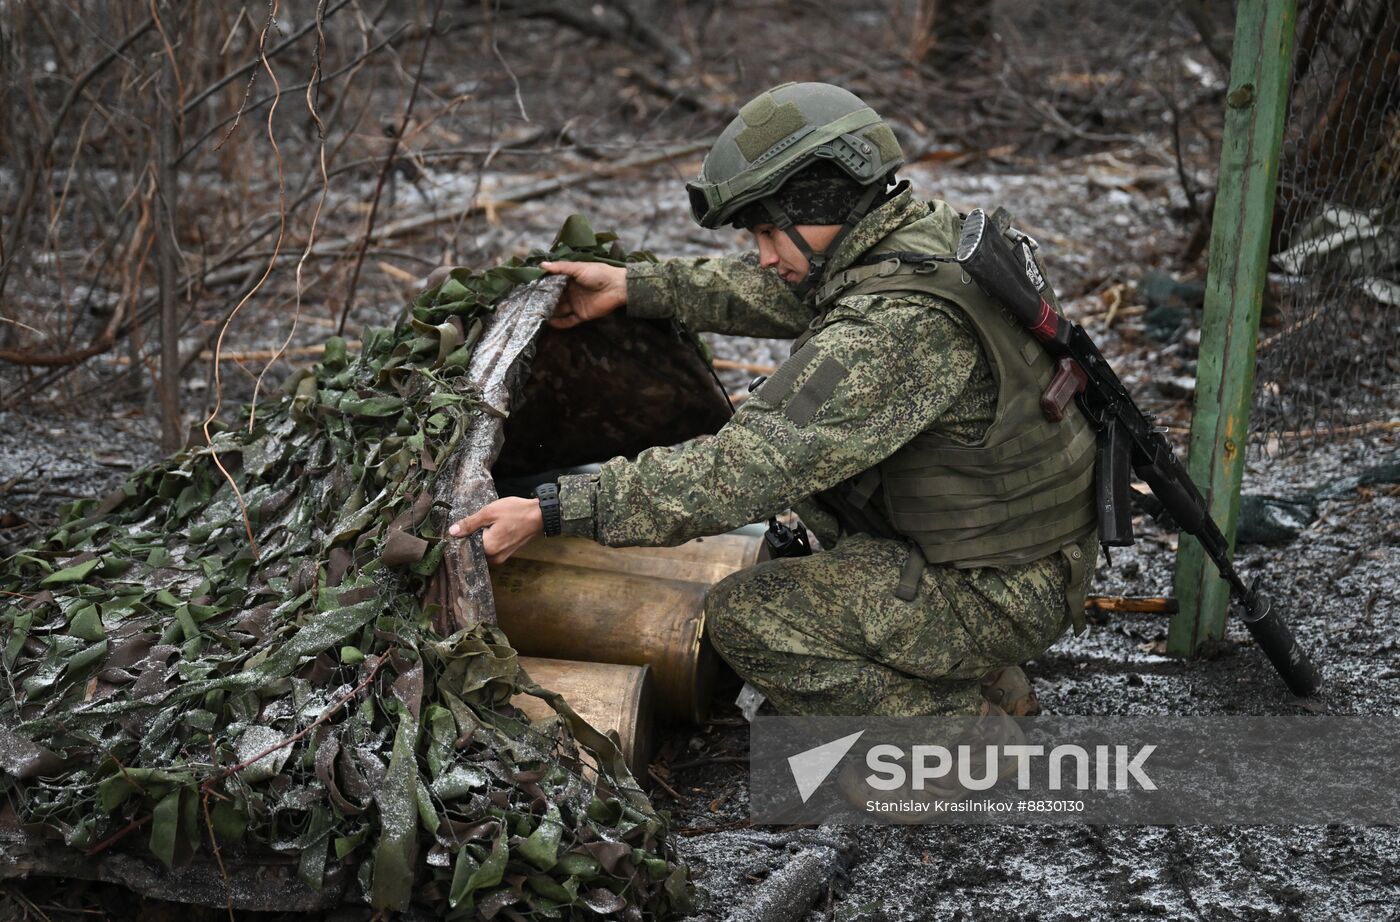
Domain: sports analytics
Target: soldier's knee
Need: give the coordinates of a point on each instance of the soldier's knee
(729, 611)
(719, 610)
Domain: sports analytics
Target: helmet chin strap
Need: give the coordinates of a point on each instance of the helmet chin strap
(816, 262)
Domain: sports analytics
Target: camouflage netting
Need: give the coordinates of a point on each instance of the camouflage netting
(173, 690)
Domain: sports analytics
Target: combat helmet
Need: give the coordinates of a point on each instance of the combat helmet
(781, 132)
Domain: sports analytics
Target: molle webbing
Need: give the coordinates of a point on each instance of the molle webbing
(984, 519)
(1013, 546)
(1022, 456)
(1026, 489)
(1043, 479)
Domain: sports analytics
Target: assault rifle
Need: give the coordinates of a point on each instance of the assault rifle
(1128, 442)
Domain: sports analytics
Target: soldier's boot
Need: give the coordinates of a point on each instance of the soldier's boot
(1009, 689)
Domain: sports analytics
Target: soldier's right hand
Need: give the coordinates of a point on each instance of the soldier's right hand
(595, 290)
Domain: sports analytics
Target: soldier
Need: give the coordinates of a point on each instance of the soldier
(905, 429)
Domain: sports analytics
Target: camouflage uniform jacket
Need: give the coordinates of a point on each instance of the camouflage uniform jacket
(911, 362)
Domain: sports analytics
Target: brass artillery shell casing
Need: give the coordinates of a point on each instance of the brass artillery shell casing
(568, 598)
(562, 611)
(704, 560)
(611, 697)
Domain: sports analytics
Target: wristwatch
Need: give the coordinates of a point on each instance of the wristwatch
(548, 495)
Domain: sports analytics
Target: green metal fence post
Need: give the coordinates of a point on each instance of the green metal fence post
(1257, 105)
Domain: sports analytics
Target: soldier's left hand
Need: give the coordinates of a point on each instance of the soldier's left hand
(510, 523)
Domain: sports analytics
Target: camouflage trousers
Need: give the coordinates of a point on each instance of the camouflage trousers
(826, 634)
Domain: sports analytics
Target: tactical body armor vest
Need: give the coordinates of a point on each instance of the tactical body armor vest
(1025, 490)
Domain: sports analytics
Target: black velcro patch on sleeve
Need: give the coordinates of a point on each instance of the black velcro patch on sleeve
(814, 392)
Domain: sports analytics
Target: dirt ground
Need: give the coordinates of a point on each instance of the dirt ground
(1107, 207)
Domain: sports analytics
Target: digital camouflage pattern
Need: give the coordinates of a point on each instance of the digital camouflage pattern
(894, 367)
(826, 635)
(173, 688)
(821, 194)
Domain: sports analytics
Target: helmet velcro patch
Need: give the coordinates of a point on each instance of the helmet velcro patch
(885, 142)
(759, 109)
(767, 125)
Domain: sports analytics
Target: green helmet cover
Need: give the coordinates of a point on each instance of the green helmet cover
(781, 131)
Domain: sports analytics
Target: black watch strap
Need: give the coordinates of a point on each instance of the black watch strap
(548, 495)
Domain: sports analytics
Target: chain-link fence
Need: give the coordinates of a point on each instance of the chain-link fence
(1329, 350)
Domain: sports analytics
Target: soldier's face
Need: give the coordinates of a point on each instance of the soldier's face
(777, 251)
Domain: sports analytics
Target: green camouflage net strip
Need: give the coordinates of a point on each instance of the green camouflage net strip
(167, 686)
